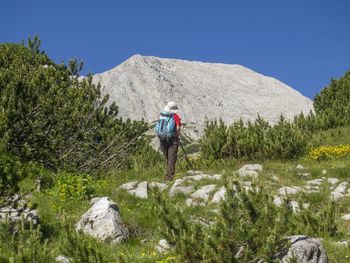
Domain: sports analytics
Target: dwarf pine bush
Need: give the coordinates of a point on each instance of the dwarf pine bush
(24, 244)
(332, 104)
(51, 116)
(254, 140)
(248, 227)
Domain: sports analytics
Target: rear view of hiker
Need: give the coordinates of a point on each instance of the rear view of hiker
(168, 132)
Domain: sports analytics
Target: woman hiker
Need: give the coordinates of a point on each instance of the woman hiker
(168, 131)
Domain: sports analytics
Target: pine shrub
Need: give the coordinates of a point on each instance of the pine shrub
(254, 140)
(51, 116)
(248, 227)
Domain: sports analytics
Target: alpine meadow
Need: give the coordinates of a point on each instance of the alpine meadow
(81, 183)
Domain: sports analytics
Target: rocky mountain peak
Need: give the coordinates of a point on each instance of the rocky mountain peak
(142, 85)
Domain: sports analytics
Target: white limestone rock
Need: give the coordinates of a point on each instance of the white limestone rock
(202, 176)
(305, 249)
(204, 192)
(346, 217)
(278, 201)
(177, 188)
(340, 191)
(250, 170)
(15, 214)
(220, 195)
(317, 182)
(194, 202)
(311, 189)
(103, 221)
(190, 172)
(201, 196)
(300, 167)
(333, 181)
(304, 175)
(156, 185)
(275, 178)
(137, 189)
(63, 259)
(163, 246)
(292, 190)
(130, 185)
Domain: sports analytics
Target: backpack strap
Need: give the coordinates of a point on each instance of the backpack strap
(166, 114)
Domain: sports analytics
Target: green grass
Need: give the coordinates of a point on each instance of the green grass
(332, 137)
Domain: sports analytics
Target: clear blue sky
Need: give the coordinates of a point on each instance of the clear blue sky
(303, 43)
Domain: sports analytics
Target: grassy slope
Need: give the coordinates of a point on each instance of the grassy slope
(143, 222)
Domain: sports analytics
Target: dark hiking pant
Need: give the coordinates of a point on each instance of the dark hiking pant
(169, 150)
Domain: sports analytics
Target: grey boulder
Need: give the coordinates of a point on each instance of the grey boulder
(250, 170)
(103, 221)
(305, 250)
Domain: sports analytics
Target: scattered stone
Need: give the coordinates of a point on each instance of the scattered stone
(199, 197)
(216, 176)
(250, 170)
(137, 189)
(340, 191)
(203, 192)
(219, 195)
(312, 189)
(239, 253)
(12, 215)
(304, 175)
(141, 189)
(192, 202)
(317, 182)
(295, 206)
(278, 201)
(160, 186)
(333, 181)
(300, 167)
(163, 246)
(305, 249)
(275, 178)
(247, 186)
(129, 186)
(103, 221)
(178, 189)
(195, 172)
(203, 221)
(346, 217)
(293, 190)
(62, 259)
(94, 200)
(343, 243)
(199, 177)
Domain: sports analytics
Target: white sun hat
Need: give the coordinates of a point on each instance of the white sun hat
(171, 107)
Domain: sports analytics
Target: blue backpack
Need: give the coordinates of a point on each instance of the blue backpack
(165, 126)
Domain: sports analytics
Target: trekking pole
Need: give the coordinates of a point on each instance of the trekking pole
(186, 158)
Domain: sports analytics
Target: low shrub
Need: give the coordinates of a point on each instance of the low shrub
(254, 140)
(247, 228)
(24, 244)
(73, 186)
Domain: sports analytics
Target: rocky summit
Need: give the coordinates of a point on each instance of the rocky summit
(142, 85)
